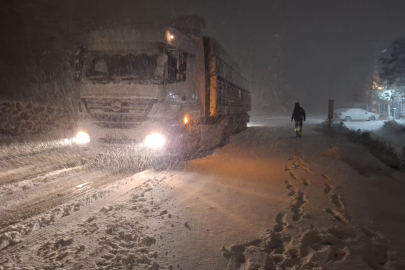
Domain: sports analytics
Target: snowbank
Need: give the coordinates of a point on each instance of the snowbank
(22, 118)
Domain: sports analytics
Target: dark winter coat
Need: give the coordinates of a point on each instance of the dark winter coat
(298, 114)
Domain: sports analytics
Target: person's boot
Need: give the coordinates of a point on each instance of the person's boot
(296, 133)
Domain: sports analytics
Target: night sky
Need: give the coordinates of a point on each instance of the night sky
(291, 50)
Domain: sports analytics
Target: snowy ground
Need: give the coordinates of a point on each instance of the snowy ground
(370, 125)
(376, 128)
(267, 200)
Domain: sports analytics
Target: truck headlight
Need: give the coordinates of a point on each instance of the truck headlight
(82, 137)
(154, 140)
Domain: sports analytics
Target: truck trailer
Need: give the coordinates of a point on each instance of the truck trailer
(162, 86)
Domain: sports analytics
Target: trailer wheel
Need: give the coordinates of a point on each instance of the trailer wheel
(244, 124)
(226, 133)
(241, 123)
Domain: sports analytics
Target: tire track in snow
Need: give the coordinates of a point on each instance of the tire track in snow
(118, 191)
(17, 169)
(59, 192)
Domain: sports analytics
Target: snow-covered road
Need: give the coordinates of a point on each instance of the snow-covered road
(267, 200)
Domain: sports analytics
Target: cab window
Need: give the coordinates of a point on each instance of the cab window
(176, 66)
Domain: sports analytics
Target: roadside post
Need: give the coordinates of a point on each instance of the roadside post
(330, 111)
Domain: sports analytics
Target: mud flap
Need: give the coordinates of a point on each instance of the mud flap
(211, 135)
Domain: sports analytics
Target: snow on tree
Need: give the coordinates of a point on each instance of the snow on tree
(394, 70)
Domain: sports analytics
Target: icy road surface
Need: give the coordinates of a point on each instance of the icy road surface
(267, 200)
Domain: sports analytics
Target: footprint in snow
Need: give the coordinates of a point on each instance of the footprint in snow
(288, 184)
(292, 175)
(336, 215)
(327, 189)
(325, 176)
(305, 182)
(337, 201)
(280, 222)
(306, 170)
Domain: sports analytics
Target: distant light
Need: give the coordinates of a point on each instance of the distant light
(185, 120)
(82, 137)
(169, 36)
(380, 88)
(154, 140)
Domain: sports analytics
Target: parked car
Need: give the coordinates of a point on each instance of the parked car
(349, 114)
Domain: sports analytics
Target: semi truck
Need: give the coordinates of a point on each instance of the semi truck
(161, 86)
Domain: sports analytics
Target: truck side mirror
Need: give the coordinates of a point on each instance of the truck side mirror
(79, 62)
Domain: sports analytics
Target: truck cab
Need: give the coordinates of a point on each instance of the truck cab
(157, 85)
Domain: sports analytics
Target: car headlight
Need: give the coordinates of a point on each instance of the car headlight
(154, 140)
(82, 137)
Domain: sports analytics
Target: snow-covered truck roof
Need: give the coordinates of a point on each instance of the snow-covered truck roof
(137, 37)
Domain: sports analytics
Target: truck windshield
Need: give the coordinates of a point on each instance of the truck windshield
(140, 68)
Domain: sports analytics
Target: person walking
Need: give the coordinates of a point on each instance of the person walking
(298, 116)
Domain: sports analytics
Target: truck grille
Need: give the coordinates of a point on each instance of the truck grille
(118, 113)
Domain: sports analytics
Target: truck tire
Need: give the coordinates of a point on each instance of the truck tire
(191, 143)
(163, 163)
(159, 164)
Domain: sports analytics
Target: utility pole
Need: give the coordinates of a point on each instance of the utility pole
(330, 111)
